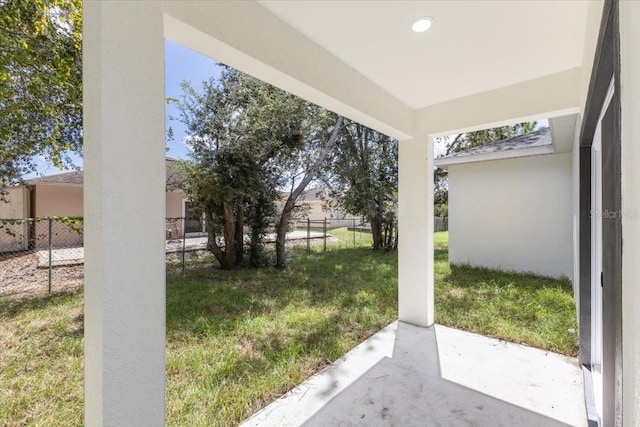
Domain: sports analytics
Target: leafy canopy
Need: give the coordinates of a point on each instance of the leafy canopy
(363, 177)
(40, 84)
(241, 131)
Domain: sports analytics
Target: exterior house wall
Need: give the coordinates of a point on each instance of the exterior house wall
(512, 214)
(57, 200)
(174, 204)
(66, 200)
(14, 237)
(316, 213)
(174, 214)
(17, 205)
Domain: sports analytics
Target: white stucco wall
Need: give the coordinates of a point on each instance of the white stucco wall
(415, 231)
(124, 292)
(513, 214)
(630, 110)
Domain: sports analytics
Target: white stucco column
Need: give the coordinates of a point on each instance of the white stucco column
(415, 240)
(630, 107)
(124, 207)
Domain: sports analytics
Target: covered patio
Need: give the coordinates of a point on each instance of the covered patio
(411, 376)
(481, 65)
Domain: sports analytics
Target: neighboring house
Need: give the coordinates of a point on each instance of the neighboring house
(62, 195)
(14, 236)
(510, 202)
(313, 203)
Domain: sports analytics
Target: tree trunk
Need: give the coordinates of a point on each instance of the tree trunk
(239, 237)
(389, 228)
(395, 241)
(283, 224)
(228, 232)
(255, 241)
(212, 245)
(281, 237)
(376, 232)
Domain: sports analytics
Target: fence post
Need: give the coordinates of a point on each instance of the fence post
(354, 232)
(308, 236)
(324, 232)
(50, 257)
(184, 240)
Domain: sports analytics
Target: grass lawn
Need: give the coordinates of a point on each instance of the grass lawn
(343, 238)
(236, 340)
(526, 309)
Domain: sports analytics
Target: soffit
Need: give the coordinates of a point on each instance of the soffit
(473, 46)
(563, 130)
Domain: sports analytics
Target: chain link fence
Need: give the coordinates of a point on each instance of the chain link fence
(334, 233)
(38, 254)
(45, 255)
(187, 238)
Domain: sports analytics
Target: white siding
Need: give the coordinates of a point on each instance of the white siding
(513, 214)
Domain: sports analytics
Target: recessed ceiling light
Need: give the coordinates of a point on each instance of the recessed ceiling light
(422, 24)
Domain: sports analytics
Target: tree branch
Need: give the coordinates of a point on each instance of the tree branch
(313, 170)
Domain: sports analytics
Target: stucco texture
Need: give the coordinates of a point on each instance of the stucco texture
(513, 214)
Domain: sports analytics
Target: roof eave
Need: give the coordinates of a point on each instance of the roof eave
(53, 184)
(444, 162)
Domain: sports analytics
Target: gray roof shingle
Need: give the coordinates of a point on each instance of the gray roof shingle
(65, 178)
(76, 178)
(538, 138)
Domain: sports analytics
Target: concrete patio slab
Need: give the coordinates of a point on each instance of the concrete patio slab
(438, 376)
(59, 257)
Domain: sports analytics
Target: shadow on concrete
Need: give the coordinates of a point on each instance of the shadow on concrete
(436, 376)
(408, 390)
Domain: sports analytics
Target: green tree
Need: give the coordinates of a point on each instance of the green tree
(40, 84)
(245, 137)
(250, 139)
(363, 178)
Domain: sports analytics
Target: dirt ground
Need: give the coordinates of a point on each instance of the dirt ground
(20, 277)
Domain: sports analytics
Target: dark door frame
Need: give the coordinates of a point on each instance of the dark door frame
(605, 68)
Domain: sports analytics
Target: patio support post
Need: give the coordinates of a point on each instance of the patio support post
(415, 233)
(124, 205)
(629, 14)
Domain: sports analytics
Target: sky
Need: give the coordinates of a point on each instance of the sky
(181, 64)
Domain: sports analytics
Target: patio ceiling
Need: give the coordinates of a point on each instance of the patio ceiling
(471, 48)
(489, 62)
